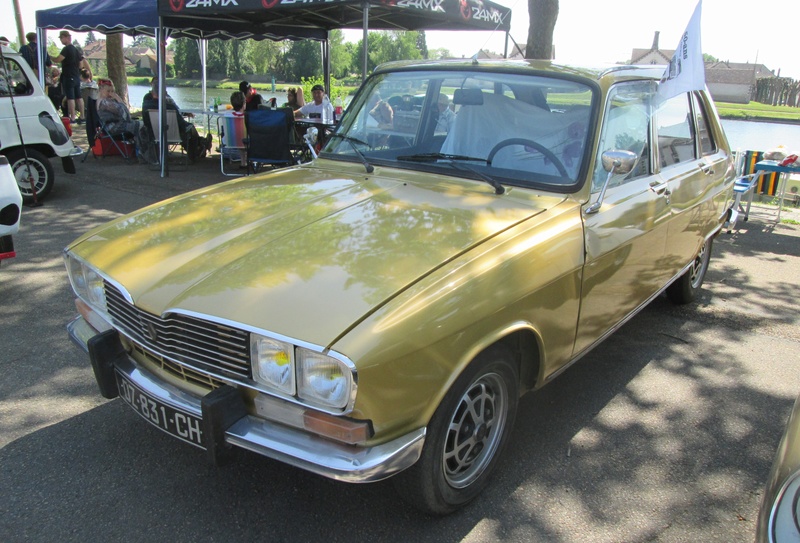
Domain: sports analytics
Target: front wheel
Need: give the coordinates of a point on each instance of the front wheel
(686, 288)
(465, 437)
(37, 172)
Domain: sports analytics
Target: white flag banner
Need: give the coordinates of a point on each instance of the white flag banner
(686, 71)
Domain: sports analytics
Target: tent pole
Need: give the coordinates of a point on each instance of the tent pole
(202, 43)
(365, 47)
(326, 62)
(161, 41)
(41, 38)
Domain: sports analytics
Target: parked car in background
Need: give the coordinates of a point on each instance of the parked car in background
(26, 109)
(10, 207)
(379, 311)
(779, 517)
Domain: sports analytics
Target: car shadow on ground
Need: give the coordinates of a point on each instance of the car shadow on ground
(604, 426)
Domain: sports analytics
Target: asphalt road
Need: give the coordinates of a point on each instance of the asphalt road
(664, 433)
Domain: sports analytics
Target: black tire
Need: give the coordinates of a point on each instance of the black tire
(465, 437)
(40, 170)
(685, 289)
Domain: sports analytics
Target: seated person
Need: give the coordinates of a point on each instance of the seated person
(294, 98)
(195, 146)
(446, 115)
(251, 97)
(238, 105)
(88, 86)
(54, 91)
(380, 113)
(116, 117)
(319, 108)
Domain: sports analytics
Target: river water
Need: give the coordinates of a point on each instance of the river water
(742, 135)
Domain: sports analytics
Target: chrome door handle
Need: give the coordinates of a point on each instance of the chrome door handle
(660, 188)
(708, 170)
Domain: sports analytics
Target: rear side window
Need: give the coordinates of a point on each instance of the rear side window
(675, 131)
(707, 145)
(13, 80)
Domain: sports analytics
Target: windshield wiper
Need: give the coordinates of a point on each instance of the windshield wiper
(352, 141)
(428, 157)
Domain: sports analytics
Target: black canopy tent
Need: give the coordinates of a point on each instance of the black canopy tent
(265, 19)
(344, 14)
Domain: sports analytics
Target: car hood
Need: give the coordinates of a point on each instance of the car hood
(304, 252)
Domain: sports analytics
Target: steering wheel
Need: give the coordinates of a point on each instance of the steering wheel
(529, 143)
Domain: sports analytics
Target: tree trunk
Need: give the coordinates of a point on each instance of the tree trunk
(543, 15)
(116, 65)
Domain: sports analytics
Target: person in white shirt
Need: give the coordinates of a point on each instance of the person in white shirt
(319, 108)
(446, 115)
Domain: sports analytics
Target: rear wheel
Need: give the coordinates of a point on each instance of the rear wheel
(465, 437)
(37, 172)
(685, 289)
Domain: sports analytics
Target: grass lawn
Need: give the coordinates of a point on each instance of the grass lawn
(759, 112)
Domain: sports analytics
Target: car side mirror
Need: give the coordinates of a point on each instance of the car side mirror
(615, 162)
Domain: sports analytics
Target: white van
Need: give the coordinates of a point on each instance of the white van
(43, 132)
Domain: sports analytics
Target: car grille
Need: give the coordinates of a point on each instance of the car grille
(182, 340)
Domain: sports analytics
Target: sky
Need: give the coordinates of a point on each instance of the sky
(601, 31)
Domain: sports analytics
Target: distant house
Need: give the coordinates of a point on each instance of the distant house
(144, 58)
(734, 81)
(654, 55)
(727, 81)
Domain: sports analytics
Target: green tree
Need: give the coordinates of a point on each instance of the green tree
(422, 44)
(440, 53)
(303, 59)
(144, 41)
(187, 58)
(263, 56)
(89, 38)
(218, 59)
(341, 55)
(239, 57)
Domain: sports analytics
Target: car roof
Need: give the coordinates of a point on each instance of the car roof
(593, 72)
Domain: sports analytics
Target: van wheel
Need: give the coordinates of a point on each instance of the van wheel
(465, 437)
(685, 289)
(41, 171)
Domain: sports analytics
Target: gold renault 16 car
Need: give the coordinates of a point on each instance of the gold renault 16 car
(468, 231)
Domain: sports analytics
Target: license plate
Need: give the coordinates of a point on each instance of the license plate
(175, 422)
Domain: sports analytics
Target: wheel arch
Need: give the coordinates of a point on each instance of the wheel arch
(524, 343)
(43, 148)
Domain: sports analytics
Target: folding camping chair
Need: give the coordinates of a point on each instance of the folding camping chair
(231, 132)
(174, 139)
(270, 138)
(101, 141)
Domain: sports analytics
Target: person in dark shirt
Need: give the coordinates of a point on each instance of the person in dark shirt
(71, 62)
(195, 146)
(30, 53)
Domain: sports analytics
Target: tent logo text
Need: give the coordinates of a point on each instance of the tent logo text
(432, 5)
(210, 3)
(482, 14)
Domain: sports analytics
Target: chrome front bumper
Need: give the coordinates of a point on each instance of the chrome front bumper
(288, 445)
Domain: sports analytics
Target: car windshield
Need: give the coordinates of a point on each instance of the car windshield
(504, 128)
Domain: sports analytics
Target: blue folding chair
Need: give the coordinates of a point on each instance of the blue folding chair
(270, 138)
